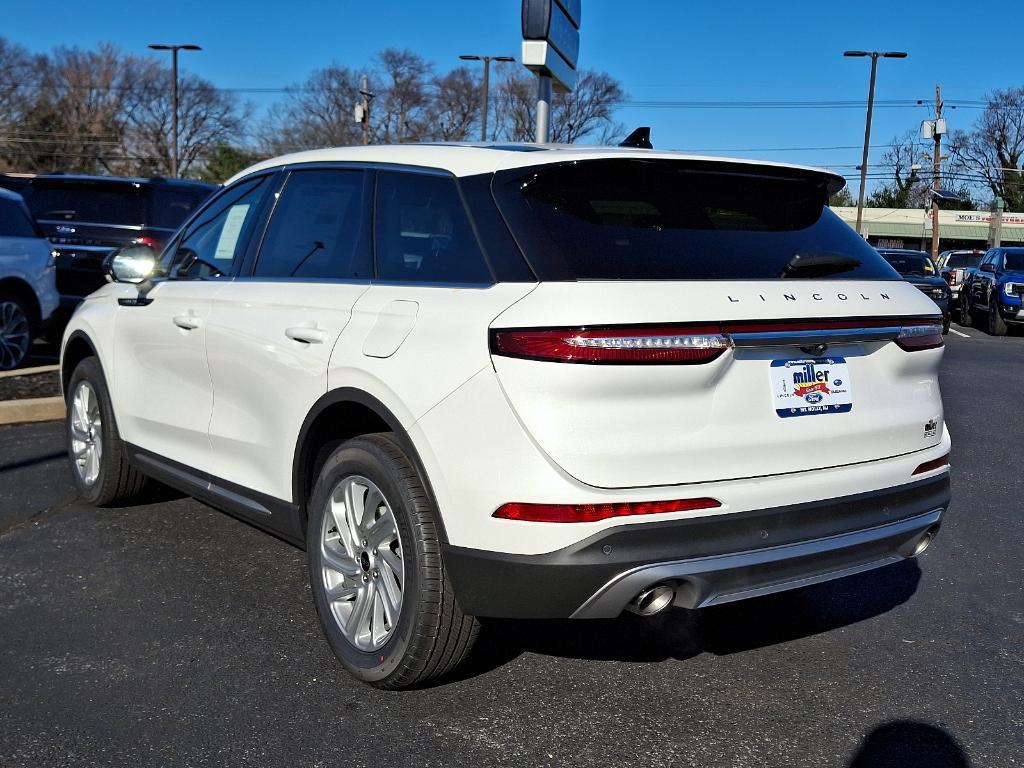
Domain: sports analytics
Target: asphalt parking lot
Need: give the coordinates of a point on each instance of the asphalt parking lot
(169, 634)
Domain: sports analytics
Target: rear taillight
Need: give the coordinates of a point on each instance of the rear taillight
(918, 335)
(589, 513)
(931, 466)
(145, 241)
(625, 345)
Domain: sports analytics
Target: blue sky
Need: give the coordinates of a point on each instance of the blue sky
(660, 50)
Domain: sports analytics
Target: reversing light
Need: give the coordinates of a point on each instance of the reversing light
(589, 513)
(915, 336)
(930, 466)
(623, 345)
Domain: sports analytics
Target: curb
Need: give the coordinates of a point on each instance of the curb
(29, 371)
(32, 409)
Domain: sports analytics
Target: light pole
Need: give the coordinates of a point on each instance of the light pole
(487, 87)
(174, 96)
(875, 56)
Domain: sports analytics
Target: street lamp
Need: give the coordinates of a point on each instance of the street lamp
(487, 86)
(875, 56)
(174, 95)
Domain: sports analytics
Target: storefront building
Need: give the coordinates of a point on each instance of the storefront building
(912, 228)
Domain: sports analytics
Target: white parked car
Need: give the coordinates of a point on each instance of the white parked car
(520, 381)
(28, 289)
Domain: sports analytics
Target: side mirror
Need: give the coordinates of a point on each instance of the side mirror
(988, 267)
(135, 264)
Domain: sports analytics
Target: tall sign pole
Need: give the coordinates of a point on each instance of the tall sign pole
(551, 47)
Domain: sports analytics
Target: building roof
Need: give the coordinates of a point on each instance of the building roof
(468, 159)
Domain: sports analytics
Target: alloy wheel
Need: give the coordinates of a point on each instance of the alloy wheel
(361, 562)
(14, 335)
(86, 433)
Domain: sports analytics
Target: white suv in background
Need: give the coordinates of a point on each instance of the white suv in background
(520, 381)
(28, 287)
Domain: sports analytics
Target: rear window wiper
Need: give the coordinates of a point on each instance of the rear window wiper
(808, 265)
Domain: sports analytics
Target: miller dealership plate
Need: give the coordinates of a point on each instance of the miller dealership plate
(811, 386)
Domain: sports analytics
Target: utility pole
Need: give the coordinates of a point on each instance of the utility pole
(996, 223)
(936, 170)
(174, 96)
(363, 109)
(875, 56)
(486, 96)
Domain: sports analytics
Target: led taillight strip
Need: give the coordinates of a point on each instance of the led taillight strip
(589, 513)
(696, 344)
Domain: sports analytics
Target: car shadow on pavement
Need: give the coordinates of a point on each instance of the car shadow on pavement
(682, 634)
(909, 744)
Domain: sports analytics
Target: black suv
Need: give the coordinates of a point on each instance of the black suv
(88, 217)
(917, 268)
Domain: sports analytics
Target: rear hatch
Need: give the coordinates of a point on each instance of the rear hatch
(701, 321)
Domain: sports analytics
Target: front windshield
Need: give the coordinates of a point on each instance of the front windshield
(911, 263)
(1014, 261)
(964, 260)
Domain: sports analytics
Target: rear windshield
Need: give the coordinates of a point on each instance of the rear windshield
(170, 205)
(917, 264)
(637, 219)
(964, 260)
(97, 203)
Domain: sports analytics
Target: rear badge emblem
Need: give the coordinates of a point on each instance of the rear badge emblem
(931, 428)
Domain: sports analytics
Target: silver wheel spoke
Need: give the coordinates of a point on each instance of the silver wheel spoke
(86, 429)
(361, 564)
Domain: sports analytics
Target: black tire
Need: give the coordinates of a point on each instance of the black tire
(117, 480)
(16, 331)
(966, 319)
(432, 635)
(996, 324)
(945, 324)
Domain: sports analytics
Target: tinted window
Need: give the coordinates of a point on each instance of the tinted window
(99, 202)
(14, 222)
(678, 220)
(422, 232)
(171, 204)
(963, 260)
(1013, 261)
(319, 228)
(218, 235)
(919, 263)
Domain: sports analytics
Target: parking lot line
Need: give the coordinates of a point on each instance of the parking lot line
(958, 333)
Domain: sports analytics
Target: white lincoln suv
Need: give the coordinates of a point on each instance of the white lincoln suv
(520, 381)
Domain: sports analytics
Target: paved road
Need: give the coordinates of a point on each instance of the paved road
(168, 634)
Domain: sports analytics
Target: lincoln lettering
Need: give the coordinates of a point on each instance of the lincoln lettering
(814, 296)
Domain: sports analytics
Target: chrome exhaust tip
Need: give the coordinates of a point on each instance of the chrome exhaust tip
(924, 542)
(652, 600)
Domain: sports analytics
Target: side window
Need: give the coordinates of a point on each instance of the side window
(14, 222)
(218, 236)
(422, 233)
(318, 228)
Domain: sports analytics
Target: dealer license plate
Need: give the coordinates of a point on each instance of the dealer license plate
(811, 386)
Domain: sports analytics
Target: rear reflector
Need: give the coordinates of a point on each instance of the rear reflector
(920, 335)
(930, 466)
(589, 513)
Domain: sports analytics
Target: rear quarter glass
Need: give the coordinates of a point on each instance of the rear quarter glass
(637, 219)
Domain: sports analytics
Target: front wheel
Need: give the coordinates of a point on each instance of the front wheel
(15, 332)
(966, 320)
(996, 324)
(945, 325)
(378, 582)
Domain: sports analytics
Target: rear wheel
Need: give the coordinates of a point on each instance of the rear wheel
(378, 582)
(98, 462)
(996, 324)
(15, 332)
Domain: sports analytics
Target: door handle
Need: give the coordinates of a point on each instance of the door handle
(305, 334)
(187, 322)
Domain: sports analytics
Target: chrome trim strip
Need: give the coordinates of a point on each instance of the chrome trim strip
(610, 599)
(753, 339)
(74, 222)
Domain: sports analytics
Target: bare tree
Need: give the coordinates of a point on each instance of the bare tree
(588, 112)
(402, 104)
(454, 106)
(906, 188)
(316, 113)
(993, 152)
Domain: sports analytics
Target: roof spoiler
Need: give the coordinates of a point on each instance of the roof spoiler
(638, 139)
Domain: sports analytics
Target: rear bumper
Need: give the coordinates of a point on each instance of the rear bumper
(708, 560)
